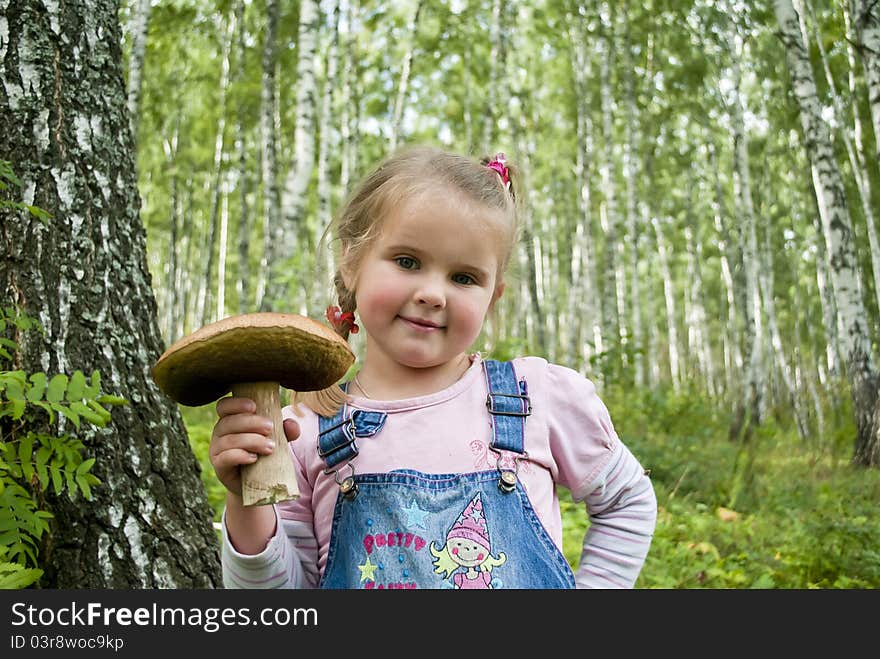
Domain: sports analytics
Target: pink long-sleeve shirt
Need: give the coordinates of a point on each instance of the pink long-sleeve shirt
(570, 441)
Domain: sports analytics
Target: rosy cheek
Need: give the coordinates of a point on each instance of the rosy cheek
(480, 557)
(455, 551)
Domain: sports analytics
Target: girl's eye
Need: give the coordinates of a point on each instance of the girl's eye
(463, 279)
(406, 262)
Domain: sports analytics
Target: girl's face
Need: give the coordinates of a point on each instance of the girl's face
(466, 552)
(424, 286)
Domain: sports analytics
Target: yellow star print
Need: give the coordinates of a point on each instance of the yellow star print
(367, 570)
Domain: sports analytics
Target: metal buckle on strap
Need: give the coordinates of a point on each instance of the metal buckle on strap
(508, 478)
(490, 405)
(347, 486)
(350, 435)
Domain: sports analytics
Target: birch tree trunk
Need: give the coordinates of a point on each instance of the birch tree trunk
(586, 323)
(490, 118)
(733, 359)
(172, 302)
(856, 159)
(866, 20)
(630, 147)
(837, 227)
(243, 280)
(612, 285)
(293, 202)
(85, 277)
(323, 258)
(268, 147)
(669, 299)
(403, 84)
(752, 406)
(205, 313)
(140, 23)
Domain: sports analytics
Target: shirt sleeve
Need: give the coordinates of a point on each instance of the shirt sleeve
(290, 559)
(598, 469)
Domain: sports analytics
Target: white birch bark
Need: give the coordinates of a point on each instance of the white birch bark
(268, 146)
(584, 302)
(630, 167)
(403, 84)
(286, 239)
(755, 375)
(205, 312)
(733, 359)
(612, 285)
(856, 159)
(222, 245)
(698, 335)
(243, 279)
(866, 20)
(837, 228)
(140, 23)
(765, 280)
(326, 143)
(492, 97)
(669, 299)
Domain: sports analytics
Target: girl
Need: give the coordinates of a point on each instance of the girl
(432, 467)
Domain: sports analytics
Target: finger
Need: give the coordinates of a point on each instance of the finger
(291, 429)
(243, 423)
(227, 462)
(233, 405)
(247, 442)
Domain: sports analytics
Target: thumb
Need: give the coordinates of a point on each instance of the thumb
(291, 429)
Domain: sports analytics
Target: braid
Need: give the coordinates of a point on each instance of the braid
(327, 402)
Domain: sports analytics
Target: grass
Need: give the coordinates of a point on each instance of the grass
(777, 512)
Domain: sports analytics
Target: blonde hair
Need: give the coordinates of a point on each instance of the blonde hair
(404, 174)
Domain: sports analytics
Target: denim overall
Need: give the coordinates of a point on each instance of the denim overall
(408, 529)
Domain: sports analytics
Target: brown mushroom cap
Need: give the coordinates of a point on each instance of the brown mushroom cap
(297, 352)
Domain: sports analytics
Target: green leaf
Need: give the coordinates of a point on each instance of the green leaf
(40, 214)
(77, 386)
(16, 577)
(109, 399)
(43, 454)
(84, 487)
(25, 452)
(57, 388)
(57, 481)
(38, 387)
(94, 388)
(84, 466)
(89, 414)
(67, 413)
(14, 382)
(48, 408)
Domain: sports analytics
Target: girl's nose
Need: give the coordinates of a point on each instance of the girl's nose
(431, 293)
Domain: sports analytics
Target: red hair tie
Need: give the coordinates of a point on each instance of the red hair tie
(341, 320)
(499, 164)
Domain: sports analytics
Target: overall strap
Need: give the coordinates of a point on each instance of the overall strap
(337, 435)
(508, 403)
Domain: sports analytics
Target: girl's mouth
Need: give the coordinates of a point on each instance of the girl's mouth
(421, 325)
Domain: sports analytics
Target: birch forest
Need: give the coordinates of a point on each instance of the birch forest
(700, 231)
(701, 176)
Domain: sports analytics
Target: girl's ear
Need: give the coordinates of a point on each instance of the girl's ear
(496, 295)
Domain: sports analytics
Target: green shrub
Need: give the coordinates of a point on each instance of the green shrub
(34, 461)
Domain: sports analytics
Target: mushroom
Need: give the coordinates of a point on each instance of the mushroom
(251, 355)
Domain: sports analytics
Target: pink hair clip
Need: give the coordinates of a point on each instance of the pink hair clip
(499, 164)
(341, 320)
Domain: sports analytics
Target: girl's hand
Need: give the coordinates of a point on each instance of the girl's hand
(240, 436)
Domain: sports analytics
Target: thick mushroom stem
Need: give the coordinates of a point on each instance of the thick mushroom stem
(272, 478)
